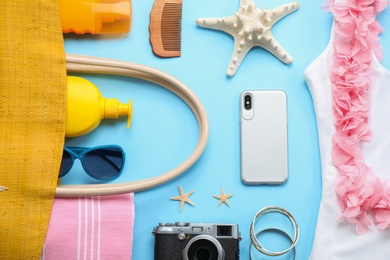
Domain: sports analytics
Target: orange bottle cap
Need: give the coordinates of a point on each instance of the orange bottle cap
(95, 17)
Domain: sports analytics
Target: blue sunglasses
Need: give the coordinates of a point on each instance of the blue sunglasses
(100, 162)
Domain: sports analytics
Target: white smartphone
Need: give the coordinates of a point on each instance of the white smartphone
(264, 143)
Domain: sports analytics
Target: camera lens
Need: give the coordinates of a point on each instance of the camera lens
(248, 102)
(203, 247)
(203, 254)
(224, 231)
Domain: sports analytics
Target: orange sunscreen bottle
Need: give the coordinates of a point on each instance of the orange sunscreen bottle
(95, 16)
(87, 107)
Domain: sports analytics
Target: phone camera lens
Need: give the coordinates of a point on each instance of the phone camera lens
(247, 102)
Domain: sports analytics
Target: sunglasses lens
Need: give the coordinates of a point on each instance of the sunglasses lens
(104, 163)
(66, 163)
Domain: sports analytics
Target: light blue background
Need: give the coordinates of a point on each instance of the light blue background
(164, 131)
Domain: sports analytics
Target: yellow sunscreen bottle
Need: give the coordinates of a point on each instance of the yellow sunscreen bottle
(87, 107)
(95, 16)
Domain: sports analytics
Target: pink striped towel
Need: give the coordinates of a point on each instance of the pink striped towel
(90, 228)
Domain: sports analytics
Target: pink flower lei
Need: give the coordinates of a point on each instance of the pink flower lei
(360, 192)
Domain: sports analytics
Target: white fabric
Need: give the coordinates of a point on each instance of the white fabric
(334, 240)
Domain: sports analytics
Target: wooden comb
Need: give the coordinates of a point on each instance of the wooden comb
(165, 27)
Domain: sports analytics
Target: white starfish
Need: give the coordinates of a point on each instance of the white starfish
(251, 27)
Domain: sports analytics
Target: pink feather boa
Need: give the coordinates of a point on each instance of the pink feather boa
(359, 190)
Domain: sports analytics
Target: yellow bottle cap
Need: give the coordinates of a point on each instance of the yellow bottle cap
(113, 109)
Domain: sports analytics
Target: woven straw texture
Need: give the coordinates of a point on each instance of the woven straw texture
(32, 122)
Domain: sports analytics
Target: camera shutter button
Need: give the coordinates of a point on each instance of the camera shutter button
(182, 224)
(163, 224)
(181, 235)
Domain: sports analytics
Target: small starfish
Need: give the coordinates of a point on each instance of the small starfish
(183, 198)
(251, 27)
(223, 198)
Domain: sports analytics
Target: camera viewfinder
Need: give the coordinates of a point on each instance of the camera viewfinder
(224, 231)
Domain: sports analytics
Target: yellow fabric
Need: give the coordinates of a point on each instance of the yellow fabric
(32, 122)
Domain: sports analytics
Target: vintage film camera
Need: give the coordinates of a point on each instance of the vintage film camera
(196, 241)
